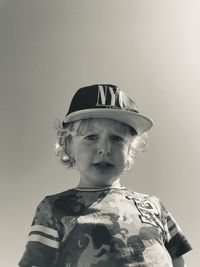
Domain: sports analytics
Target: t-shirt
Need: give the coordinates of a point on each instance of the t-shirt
(114, 227)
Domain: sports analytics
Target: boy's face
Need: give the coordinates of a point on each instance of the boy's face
(101, 153)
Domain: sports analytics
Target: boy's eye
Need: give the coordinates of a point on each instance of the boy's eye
(91, 137)
(117, 138)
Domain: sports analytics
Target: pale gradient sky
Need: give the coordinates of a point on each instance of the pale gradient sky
(48, 49)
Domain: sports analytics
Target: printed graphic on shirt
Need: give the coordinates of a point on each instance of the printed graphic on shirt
(149, 212)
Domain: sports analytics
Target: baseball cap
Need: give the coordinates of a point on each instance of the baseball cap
(106, 101)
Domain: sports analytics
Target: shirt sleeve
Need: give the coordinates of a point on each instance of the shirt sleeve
(175, 242)
(43, 240)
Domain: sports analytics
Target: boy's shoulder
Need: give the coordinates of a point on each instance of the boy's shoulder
(140, 195)
(64, 194)
(143, 197)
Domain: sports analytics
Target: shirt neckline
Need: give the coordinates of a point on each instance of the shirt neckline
(98, 188)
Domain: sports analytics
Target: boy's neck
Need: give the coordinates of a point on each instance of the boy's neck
(115, 184)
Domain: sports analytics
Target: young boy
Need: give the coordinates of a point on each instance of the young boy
(101, 223)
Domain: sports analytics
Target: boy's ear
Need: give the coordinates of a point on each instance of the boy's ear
(70, 151)
(72, 161)
(69, 146)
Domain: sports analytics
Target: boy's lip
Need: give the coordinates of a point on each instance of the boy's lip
(103, 165)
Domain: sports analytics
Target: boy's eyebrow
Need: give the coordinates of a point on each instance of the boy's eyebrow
(90, 131)
(112, 132)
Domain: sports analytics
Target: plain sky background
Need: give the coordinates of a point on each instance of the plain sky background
(48, 49)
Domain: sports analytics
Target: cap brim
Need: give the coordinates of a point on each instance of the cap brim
(137, 121)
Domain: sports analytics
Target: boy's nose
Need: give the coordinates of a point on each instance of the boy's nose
(103, 151)
(104, 148)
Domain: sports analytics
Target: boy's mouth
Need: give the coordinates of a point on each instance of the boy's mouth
(104, 166)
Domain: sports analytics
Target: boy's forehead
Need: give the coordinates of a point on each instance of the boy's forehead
(112, 124)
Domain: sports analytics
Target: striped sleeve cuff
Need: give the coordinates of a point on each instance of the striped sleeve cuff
(173, 227)
(45, 235)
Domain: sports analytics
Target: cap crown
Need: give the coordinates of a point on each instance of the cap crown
(106, 96)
